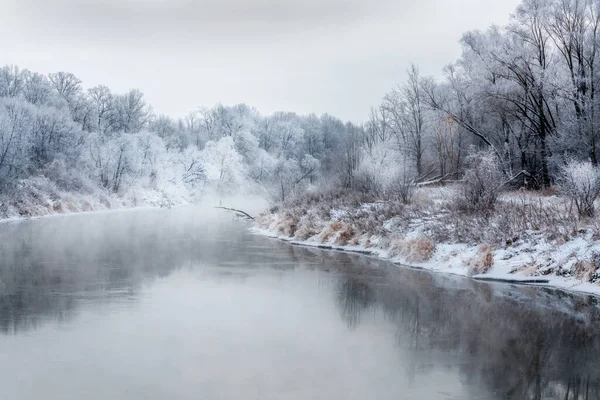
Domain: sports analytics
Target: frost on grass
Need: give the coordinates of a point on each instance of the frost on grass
(482, 261)
(482, 181)
(580, 181)
(524, 234)
(413, 250)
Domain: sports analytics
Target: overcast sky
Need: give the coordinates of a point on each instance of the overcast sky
(334, 56)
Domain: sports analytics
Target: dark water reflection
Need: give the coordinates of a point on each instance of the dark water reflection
(184, 304)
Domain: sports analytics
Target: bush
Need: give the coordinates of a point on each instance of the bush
(367, 181)
(483, 179)
(346, 233)
(416, 250)
(580, 181)
(482, 261)
(402, 186)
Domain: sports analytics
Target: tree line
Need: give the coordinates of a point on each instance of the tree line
(524, 92)
(51, 126)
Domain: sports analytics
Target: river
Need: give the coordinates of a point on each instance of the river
(186, 304)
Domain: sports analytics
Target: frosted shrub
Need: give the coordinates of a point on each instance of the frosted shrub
(482, 261)
(222, 166)
(580, 181)
(402, 186)
(482, 182)
(345, 234)
(366, 180)
(376, 170)
(414, 250)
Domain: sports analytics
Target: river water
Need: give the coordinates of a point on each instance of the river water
(186, 304)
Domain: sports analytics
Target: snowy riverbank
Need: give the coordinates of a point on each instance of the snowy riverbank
(553, 249)
(40, 201)
(40, 198)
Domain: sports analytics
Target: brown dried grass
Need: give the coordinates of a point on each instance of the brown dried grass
(482, 261)
(585, 270)
(418, 249)
(346, 233)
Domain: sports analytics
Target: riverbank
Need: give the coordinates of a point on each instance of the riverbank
(39, 197)
(528, 238)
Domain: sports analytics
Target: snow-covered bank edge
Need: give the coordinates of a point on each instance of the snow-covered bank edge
(83, 213)
(68, 204)
(39, 197)
(454, 259)
(86, 204)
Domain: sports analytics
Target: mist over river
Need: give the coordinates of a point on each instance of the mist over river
(187, 304)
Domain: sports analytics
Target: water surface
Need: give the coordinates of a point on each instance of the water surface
(186, 304)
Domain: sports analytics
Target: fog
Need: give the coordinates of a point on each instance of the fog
(113, 247)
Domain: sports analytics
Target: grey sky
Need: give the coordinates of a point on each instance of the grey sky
(335, 56)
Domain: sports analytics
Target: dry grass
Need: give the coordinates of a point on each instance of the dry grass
(423, 198)
(518, 218)
(418, 249)
(345, 234)
(329, 231)
(510, 219)
(588, 270)
(584, 270)
(482, 261)
(336, 226)
(288, 224)
(86, 206)
(307, 227)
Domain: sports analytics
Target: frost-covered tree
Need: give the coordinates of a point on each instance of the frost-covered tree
(112, 159)
(37, 88)
(53, 135)
(131, 112)
(66, 85)
(51, 127)
(222, 165)
(580, 181)
(290, 175)
(482, 182)
(312, 136)
(574, 27)
(102, 101)
(405, 111)
(193, 172)
(15, 124)
(12, 81)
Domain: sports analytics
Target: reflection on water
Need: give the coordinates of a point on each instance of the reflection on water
(184, 304)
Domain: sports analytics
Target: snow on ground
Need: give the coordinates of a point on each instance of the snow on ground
(454, 259)
(537, 257)
(69, 203)
(41, 199)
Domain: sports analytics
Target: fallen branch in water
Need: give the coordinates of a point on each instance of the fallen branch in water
(240, 213)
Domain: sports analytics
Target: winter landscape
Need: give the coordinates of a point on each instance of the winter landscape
(477, 184)
(491, 170)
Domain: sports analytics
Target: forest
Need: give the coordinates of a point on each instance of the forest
(519, 108)
(56, 134)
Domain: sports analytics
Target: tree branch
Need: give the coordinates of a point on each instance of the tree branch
(240, 213)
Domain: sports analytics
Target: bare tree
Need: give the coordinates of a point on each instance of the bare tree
(103, 101)
(405, 106)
